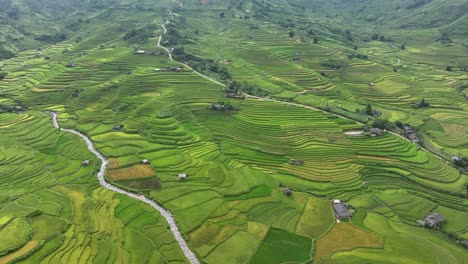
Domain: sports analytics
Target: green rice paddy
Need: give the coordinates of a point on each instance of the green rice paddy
(232, 207)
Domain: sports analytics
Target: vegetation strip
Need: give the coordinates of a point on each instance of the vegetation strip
(165, 213)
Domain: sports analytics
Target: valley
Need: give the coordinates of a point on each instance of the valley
(207, 132)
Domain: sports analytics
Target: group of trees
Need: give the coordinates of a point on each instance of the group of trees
(236, 88)
(201, 64)
(369, 111)
(383, 124)
(461, 68)
(11, 109)
(52, 38)
(332, 64)
(177, 37)
(381, 38)
(356, 55)
(461, 163)
(140, 35)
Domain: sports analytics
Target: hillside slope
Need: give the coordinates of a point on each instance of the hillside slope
(448, 16)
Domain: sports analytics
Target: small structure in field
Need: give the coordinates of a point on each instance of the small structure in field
(287, 192)
(140, 52)
(182, 176)
(371, 84)
(118, 127)
(296, 162)
(85, 163)
(340, 209)
(217, 106)
(145, 161)
(70, 65)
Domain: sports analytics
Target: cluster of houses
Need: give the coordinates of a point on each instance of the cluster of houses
(374, 131)
(170, 69)
(432, 220)
(411, 134)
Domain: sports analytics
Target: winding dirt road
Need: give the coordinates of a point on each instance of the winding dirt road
(165, 213)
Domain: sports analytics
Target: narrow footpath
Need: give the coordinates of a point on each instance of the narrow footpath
(165, 213)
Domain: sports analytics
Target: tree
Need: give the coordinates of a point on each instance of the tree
(382, 38)
(291, 34)
(449, 68)
(348, 35)
(355, 47)
(369, 110)
(421, 104)
(221, 15)
(316, 40)
(403, 46)
(375, 36)
(399, 124)
(3, 75)
(14, 13)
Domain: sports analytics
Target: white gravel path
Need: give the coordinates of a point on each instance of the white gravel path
(165, 213)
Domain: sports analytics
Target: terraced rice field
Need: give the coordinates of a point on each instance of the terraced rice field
(53, 210)
(231, 208)
(266, 57)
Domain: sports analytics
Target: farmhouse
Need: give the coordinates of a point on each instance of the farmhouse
(145, 161)
(140, 52)
(85, 163)
(434, 219)
(287, 192)
(70, 65)
(182, 176)
(340, 209)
